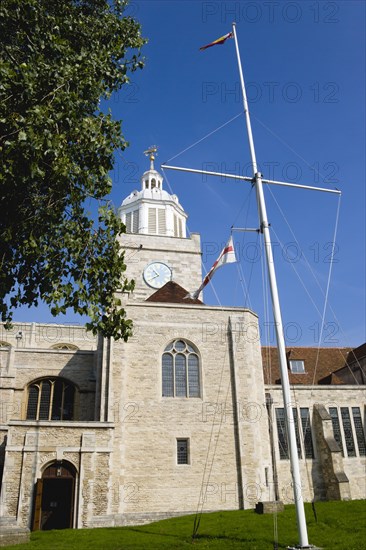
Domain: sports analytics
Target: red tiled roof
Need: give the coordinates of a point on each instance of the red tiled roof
(320, 365)
(172, 293)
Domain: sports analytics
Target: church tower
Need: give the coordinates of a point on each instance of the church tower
(157, 247)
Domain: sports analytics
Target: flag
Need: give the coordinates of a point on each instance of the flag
(218, 41)
(227, 256)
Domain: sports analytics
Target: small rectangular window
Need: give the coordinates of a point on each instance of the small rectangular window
(297, 367)
(182, 451)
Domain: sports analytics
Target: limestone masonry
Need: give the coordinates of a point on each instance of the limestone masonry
(188, 413)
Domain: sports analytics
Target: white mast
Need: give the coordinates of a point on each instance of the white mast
(264, 226)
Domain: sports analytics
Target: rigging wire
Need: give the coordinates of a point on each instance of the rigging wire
(205, 137)
(281, 140)
(203, 490)
(313, 273)
(322, 315)
(241, 278)
(265, 292)
(212, 445)
(214, 434)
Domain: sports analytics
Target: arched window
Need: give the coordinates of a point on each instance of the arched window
(4, 344)
(65, 346)
(50, 399)
(180, 370)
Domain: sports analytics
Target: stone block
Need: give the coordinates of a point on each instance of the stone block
(269, 507)
(13, 534)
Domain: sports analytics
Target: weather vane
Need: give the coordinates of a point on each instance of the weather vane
(151, 152)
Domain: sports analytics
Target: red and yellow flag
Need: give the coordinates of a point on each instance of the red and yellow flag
(218, 41)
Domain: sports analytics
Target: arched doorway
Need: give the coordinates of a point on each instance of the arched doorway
(54, 502)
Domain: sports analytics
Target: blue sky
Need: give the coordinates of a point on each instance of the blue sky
(304, 66)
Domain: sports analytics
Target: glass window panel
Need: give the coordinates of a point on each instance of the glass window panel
(180, 375)
(193, 376)
(347, 429)
(181, 370)
(53, 397)
(180, 345)
(298, 443)
(281, 431)
(182, 451)
(44, 408)
(32, 402)
(57, 400)
(68, 407)
(360, 434)
(306, 431)
(336, 427)
(297, 367)
(168, 381)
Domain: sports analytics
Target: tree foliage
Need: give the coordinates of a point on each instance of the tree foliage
(57, 60)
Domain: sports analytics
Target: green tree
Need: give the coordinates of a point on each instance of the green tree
(58, 59)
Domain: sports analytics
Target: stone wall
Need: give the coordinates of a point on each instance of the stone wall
(183, 256)
(32, 446)
(229, 451)
(311, 470)
(123, 441)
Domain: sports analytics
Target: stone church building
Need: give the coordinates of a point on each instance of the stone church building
(186, 415)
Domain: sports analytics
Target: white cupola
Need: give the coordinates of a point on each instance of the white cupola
(153, 211)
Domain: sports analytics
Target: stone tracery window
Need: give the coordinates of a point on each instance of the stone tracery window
(4, 344)
(50, 399)
(66, 346)
(180, 370)
(303, 434)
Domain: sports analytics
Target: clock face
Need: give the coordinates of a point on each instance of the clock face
(157, 274)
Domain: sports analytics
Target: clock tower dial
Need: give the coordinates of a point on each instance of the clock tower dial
(157, 274)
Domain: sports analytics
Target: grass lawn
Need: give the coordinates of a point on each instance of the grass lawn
(339, 526)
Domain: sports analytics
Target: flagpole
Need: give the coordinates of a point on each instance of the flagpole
(264, 227)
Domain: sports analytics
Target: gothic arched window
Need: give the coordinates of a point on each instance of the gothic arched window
(50, 399)
(66, 346)
(180, 370)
